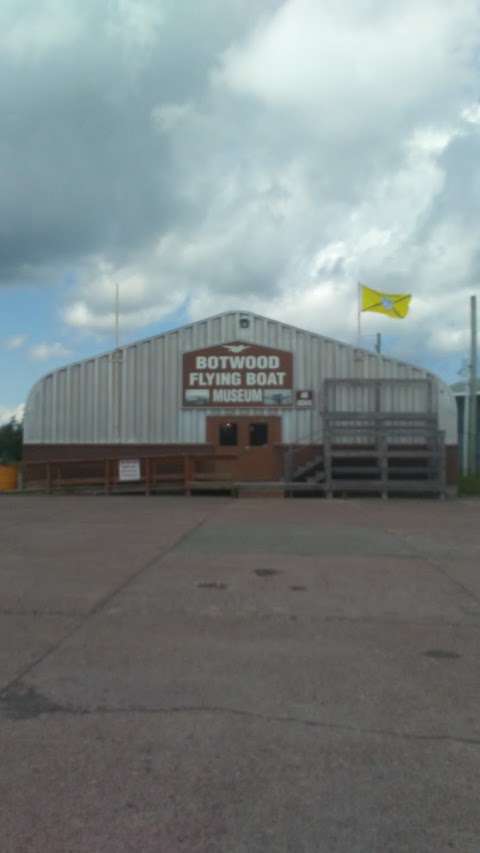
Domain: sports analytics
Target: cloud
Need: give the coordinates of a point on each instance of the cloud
(49, 351)
(261, 156)
(85, 169)
(167, 117)
(143, 299)
(44, 27)
(342, 64)
(471, 114)
(15, 342)
(9, 412)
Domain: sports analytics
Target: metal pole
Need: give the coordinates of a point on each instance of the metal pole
(466, 432)
(378, 343)
(116, 357)
(117, 316)
(472, 445)
(359, 318)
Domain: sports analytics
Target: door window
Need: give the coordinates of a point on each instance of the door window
(258, 435)
(228, 434)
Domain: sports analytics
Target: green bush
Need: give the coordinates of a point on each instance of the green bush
(11, 442)
(469, 486)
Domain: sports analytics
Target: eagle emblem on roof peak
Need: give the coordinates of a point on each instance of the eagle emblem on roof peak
(235, 347)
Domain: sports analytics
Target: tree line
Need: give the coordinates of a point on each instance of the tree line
(11, 441)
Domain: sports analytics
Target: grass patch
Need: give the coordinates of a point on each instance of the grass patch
(469, 486)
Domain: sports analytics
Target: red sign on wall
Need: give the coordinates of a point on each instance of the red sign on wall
(238, 374)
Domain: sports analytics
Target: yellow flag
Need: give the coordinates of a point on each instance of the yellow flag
(392, 304)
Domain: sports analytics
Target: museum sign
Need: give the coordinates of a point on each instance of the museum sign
(238, 374)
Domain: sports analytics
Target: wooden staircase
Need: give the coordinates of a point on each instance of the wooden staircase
(379, 447)
(386, 455)
(312, 471)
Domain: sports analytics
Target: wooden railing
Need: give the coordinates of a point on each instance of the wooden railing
(370, 463)
(180, 472)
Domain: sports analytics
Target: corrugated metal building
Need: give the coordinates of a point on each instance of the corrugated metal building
(179, 390)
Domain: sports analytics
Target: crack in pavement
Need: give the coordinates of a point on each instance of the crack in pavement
(30, 704)
(436, 564)
(67, 614)
(103, 602)
(433, 623)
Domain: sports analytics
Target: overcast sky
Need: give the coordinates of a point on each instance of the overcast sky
(254, 154)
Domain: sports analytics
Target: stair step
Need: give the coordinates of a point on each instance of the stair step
(320, 478)
(307, 467)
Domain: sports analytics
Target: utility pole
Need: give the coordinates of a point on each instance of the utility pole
(116, 366)
(472, 420)
(117, 315)
(378, 343)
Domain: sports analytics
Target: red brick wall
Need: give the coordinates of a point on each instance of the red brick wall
(54, 452)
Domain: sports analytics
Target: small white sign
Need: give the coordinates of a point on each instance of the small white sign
(129, 470)
(305, 398)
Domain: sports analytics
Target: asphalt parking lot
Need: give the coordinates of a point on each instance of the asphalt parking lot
(210, 674)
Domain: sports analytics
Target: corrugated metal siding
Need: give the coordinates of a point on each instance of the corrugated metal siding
(78, 403)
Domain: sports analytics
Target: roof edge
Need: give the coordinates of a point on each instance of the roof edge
(219, 316)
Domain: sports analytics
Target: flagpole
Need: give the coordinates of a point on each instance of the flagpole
(117, 315)
(116, 359)
(472, 420)
(359, 318)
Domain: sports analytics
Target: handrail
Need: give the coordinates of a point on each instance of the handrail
(379, 416)
(106, 473)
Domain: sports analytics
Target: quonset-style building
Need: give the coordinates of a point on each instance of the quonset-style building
(262, 400)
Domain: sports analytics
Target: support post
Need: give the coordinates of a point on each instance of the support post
(442, 468)
(472, 425)
(288, 469)
(382, 450)
(187, 474)
(327, 464)
(288, 464)
(147, 475)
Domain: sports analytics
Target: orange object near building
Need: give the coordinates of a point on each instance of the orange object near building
(8, 478)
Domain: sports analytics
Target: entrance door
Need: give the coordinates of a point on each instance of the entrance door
(249, 443)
